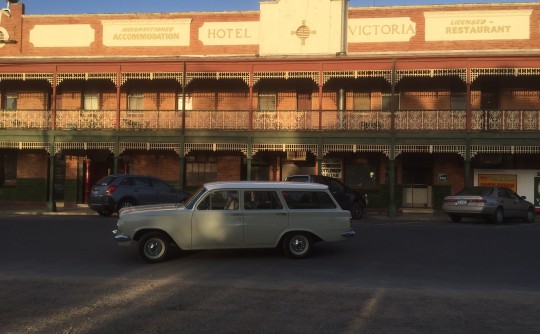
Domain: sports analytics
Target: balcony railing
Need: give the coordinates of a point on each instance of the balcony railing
(286, 120)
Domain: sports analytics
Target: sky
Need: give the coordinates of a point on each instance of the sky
(143, 6)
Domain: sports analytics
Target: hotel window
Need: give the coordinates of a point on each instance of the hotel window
(361, 101)
(135, 101)
(386, 104)
(458, 101)
(267, 101)
(200, 168)
(10, 101)
(91, 101)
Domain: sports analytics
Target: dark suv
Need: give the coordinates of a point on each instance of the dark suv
(114, 192)
(347, 198)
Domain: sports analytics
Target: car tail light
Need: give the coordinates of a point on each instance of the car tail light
(111, 189)
(477, 202)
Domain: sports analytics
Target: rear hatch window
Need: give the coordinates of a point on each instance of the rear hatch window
(105, 181)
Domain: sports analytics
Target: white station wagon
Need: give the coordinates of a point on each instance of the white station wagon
(228, 215)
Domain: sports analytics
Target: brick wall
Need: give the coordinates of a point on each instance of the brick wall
(32, 164)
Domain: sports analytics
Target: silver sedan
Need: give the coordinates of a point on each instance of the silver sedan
(491, 203)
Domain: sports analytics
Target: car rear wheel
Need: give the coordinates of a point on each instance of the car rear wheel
(530, 216)
(154, 247)
(105, 213)
(455, 219)
(126, 203)
(498, 216)
(298, 245)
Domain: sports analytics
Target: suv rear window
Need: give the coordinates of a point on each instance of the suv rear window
(105, 181)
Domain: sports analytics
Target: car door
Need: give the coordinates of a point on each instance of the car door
(514, 206)
(519, 205)
(265, 217)
(142, 190)
(217, 221)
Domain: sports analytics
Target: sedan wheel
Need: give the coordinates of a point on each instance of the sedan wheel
(531, 215)
(298, 245)
(498, 216)
(153, 247)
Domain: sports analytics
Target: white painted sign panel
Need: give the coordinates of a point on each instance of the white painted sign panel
(174, 32)
(478, 25)
(62, 35)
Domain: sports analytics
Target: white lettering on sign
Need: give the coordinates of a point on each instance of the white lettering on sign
(478, 25)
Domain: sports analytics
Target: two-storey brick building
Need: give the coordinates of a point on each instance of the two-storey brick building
(407, 103)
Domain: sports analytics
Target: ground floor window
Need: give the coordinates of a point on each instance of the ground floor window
(200, 168)
(8, 168)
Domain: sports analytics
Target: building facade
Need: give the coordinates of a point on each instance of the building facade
(407, 103)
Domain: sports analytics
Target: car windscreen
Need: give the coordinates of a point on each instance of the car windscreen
(476, 191)
(190, 202)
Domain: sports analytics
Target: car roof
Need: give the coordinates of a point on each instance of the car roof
(265, 185)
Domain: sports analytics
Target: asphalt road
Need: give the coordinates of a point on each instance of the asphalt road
(62, 274)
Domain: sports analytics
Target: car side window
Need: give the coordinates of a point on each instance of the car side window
(141, 182)
(220, 200)
(160, 184)
(308, 200)
(503, 193)
(262, 200)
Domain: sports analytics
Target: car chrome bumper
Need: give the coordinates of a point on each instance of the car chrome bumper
(349, 234)
(120, 237)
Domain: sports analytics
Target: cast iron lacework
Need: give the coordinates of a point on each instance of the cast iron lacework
(151, 76)
(58, 146)
(431, 73)
(313, 75)
(188, 147)
(190, 76)
(284, 147)
(458, 149)
(146, 146)
(327, 148)
(26, 145)
(85, 76)
(476, 149)
(385, 74)
(27, 76)
(477, 72)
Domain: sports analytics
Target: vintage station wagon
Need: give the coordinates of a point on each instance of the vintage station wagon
(228, 215)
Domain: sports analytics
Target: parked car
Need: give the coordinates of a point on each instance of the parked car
(114, 192)
(227, 215)
(347, 198)
(491, 203)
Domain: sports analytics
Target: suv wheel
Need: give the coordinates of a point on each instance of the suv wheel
(126, 203)
(356, 211)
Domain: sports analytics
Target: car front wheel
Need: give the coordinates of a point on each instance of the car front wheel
(154, 247)
(298, 245)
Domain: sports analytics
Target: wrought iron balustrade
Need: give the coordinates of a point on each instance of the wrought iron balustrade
(448, 120)
(25, 119)
(356, 120)
(505, 120)
(287, 120)
(217, 119)
(85, 119)
(150, 119)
